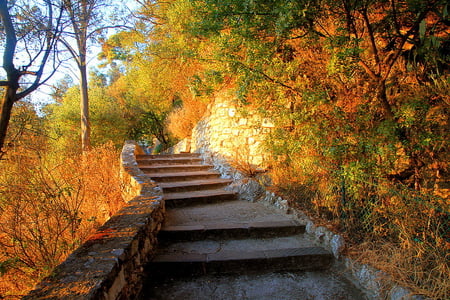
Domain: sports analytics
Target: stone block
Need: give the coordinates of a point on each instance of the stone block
(337, 244)
(267, 123)
(242, 122)
(117, 286)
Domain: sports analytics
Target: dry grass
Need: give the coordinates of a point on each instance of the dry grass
(402, 232)
(49, 206)
(241, 161)
(422, 269)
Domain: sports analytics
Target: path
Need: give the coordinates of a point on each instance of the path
(214, 246)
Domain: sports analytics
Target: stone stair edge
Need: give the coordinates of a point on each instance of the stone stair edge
(175, 166)
(195, 182)
(228, 225)
(164, 156)
(238, 255)
(183, 174)
(201, 193)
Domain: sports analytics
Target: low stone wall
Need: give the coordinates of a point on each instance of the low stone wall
(109, 264)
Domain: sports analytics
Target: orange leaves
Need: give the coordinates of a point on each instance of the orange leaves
(50, 205)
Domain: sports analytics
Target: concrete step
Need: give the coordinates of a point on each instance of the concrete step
(208, 232)
(167, 156)
(230, 256)
(169, 161)
(182, 176)
(182, 199)
(194, 185)
(256, 286)
(227, 230)
(174, 168)
(238, 219)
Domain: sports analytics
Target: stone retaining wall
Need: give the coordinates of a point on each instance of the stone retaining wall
(228, 131)
(109, 264)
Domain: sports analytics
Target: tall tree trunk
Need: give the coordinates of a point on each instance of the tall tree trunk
(84, 105)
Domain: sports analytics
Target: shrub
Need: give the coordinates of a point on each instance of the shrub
(183, 119)
(48, 207)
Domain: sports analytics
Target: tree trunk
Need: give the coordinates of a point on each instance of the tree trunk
(5, 115)
(84, 105)
(382, 97)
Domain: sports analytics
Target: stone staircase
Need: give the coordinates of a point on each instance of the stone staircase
(209, 232)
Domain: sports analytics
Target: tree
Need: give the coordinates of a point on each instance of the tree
(87, 21)
(108, 121)
(33, 30)
(157, 51)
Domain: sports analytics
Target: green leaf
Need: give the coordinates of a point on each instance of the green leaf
(422, 29)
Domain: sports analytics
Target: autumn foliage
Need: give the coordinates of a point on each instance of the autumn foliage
(358, 92)
(49, 204)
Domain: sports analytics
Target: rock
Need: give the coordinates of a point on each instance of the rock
(310, 227)
(400, 293)
(320, 233)
(337, 245)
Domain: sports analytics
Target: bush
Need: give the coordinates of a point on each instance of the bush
(48, 207)
(183, 119)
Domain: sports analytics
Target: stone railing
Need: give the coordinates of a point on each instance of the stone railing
(109, 264)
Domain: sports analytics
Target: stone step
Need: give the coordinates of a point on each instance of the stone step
(225, 230)
(182, 199)
(229, 218)
(167, 156)
(169, 161)
(194, 185)
(257, 286)
(174, 168)
(182, 176)
(230, 256)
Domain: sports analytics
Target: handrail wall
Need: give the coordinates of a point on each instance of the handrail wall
(109, 265)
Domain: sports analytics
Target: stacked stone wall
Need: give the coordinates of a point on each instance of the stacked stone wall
(230, 133)
(109, 265)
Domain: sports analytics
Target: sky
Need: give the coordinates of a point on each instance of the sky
(41, 97)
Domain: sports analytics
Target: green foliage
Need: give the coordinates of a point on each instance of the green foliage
(107, 117)
(151, 125)
(6, 265)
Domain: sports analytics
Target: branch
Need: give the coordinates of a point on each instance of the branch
(4, 83)
(394, 14)
(392, 59)
(368, 70)
(11, 39)
(269, 78)
(373, 45)
(72, 51)
(350, 20)
(106, 27)
(51, 36)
